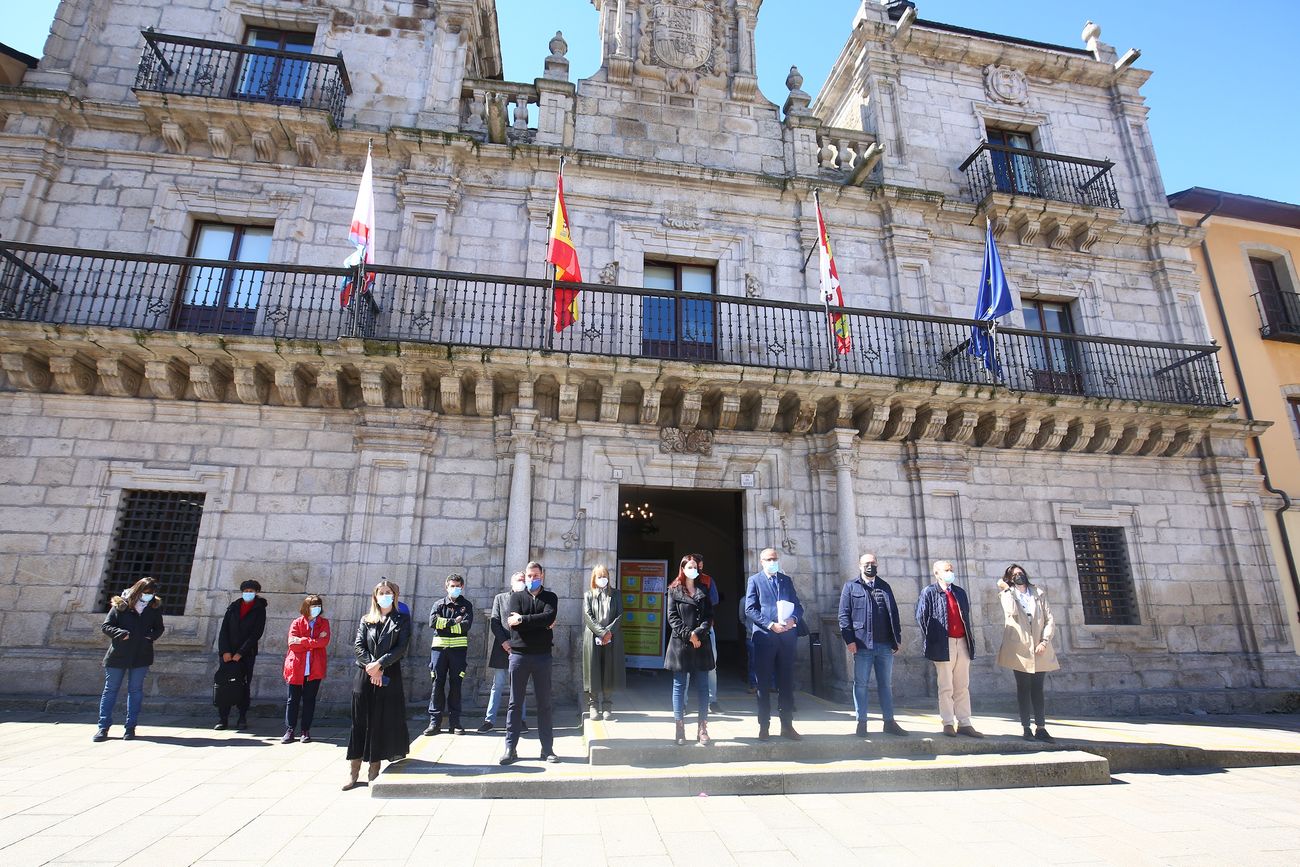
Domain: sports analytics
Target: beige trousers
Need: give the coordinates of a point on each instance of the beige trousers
(954, 684)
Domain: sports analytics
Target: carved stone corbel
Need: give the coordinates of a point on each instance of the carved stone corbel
(729, 412)
(263, 147)
(901, 418)
(210, 379)
(1050, 434)
(930, 424)
(1079, 434)
(415, 389)
(167, 378)
(611, 398)
(1185, 440)
(375, 378)
(1023, 430)
(252, 383)
(1131, 442)
(221, 142)
(991, 432)
(174, 137)
(1058, 235)
(484, 397)
(961, 426)
(1086, 236)
(329, 385)
(650, 405)
(449, 393)
(120, 375)
(1027, 230)
(28, 371)
(73, 373)
(767, 409)
(876, 419)
(689, 415)
(307, 148)
(291, 385)
(1159, 440)
(804, 417)
(568, 401)
(1108, 433)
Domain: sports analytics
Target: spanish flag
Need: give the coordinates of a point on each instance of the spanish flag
(564, 257)
(832, 293)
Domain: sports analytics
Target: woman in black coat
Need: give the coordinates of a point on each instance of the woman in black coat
(379, 729)
(134, 622)
(241, 630)
(690, 620)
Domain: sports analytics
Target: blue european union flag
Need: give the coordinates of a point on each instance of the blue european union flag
(994, 300)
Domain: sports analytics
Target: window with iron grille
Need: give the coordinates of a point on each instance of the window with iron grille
(1105, 579)
(155, 537)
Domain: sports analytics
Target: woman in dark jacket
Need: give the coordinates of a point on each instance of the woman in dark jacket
(241, 629)
(134, 622)
(378, 701)
(690, 620)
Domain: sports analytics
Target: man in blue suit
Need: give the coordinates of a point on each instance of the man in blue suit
(772, 613)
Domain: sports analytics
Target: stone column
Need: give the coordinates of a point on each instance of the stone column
(519, 517)
(845, 459)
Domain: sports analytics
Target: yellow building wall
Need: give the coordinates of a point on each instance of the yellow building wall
(1268, 366)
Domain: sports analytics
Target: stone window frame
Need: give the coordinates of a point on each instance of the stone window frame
(241, 15)
(116, 477)
(178, 209)
(1279, 256)
(1291, 395)
(1146, 634)
(1036, 123)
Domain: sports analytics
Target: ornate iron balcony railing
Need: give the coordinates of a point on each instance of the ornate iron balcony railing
(995, 168)
(201, 67)
(1279, 315)
(89, 288)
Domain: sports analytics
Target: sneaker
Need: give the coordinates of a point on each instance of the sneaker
(894, 728)
(457, 729)
(485, 728)
(592, 713)
(968, 731)
(508, 758)
(288, 737)
(221, 726)
(306, 736)
(607, 715)
(100, 736)
(129, 735)
(1040, 735)
(550, 758)
(861, 730)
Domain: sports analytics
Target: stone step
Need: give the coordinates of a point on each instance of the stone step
(532, 779)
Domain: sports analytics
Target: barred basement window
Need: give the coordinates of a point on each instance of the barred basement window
(156, 534)
(1105, 579)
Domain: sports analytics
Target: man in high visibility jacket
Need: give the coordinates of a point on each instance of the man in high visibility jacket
(450, 619)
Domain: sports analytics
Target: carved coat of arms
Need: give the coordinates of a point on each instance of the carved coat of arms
(682, 36)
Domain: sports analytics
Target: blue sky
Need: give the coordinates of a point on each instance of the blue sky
(1224, 108)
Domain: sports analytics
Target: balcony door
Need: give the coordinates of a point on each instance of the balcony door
(220, 299)
(280, 80)
(684, 326)
(1013, 173)
(1280, 305)
(1054, 363)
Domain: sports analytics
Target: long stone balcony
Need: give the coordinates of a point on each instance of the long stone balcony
(86, 322)
(181, 65)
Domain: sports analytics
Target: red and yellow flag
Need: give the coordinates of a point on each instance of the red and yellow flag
(564, 257)
(832, 293)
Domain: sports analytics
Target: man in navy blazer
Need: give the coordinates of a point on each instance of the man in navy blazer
(774, 640)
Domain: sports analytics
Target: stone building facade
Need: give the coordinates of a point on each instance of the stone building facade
(449, 429)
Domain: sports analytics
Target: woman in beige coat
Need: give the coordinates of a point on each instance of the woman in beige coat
(602, 645)
(1027, 632)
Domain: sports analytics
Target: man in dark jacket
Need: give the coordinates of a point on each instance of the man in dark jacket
(871, 632)
(529, 616)
(241, 629)
(499, 655)
(943, 613)
(450, 620)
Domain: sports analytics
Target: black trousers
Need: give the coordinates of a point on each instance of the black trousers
(1029, 692)
(774, 654)
(246, 669)
(538, 667)
(303, 695)
(447, 669)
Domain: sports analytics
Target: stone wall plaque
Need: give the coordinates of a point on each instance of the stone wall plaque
(1006, 84)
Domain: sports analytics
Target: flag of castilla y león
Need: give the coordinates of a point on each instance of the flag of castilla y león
(832, 293)
(362, 234)
(564, 257)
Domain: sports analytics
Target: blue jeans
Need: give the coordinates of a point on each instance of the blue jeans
(113, 678)
(701, 685)
(500, 687)
(881, 658)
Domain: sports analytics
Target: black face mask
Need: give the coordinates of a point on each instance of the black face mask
(869, 571)
(1020, 580)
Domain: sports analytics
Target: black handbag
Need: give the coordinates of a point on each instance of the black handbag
(228, 687)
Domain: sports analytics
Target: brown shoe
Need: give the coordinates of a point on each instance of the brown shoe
(702, 734)
(373, 772)
(354, 768)
(788, 732)
(968, 731)
(950, 731)
(763, 733)
(679, 733)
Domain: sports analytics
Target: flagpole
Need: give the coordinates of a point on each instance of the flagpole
(550, 326)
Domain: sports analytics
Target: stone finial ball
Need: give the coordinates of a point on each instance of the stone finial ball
(794, 80)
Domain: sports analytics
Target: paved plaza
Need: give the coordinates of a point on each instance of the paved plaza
(184, 794)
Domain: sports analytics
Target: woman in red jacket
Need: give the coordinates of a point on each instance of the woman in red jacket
(304, 666)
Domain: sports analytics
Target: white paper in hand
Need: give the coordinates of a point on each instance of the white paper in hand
(784, 610)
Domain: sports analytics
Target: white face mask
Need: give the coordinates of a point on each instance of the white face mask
(516, 586)
(146, 598)
(248, 596)
(947, 577)
(691, 572)
(385, 601)
(602, 582)
(771, 567)
(315, 612)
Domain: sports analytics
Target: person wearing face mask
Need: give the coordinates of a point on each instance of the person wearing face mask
(304, 666)
(602, 647)
(943, 613)
(241, 630)
(499, 655)
(869, 626)
(450, 619)
(772, 614)
(1027, 631)
(134, 622)
(690, 653)
(379, 729)
(530, 614)
(715, 598)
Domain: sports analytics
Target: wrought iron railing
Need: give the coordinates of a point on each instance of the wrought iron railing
(52, 284)
(1279, 315)
(995, 168)
(201, 67)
